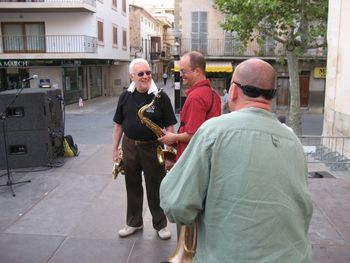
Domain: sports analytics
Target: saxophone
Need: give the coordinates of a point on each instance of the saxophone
(162, 154)
(118, 166)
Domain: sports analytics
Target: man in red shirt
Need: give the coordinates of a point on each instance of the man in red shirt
(202, 102)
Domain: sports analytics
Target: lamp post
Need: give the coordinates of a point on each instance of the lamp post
(177, 79)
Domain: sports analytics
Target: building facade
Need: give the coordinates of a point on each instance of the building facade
(149, 39)
(337, 110)
(80, 46)
(197, 27)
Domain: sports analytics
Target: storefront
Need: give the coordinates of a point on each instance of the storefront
(77, 78)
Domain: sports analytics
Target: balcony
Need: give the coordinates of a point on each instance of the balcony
(155, 55)
(48, 6)
(48, 44)
(232, 48)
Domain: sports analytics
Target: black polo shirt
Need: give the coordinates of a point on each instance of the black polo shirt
(161, 113)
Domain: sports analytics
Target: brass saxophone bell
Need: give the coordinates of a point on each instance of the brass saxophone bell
(118, 167)
(160, 155)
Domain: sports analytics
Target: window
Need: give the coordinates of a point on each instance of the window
(115, 36)
(199, 32)
(114, 4)
(124, 38)
(24, 37)
(124, 6)
(100, 37)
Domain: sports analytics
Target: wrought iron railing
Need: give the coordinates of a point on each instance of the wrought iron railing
(233, 47)
(48, 44)
(333, 151)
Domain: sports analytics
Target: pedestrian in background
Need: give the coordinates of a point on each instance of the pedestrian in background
(243, 179)
(225, 107)
(139, 147)
(165, 77)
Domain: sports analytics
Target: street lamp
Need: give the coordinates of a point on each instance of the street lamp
(177, 79)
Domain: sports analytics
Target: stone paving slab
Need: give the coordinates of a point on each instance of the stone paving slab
(18, 248)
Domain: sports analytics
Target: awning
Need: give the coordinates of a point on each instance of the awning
(211, 66)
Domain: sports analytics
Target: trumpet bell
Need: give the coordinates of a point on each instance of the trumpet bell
(183, 253)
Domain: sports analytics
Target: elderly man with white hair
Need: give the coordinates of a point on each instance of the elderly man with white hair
(139, 146)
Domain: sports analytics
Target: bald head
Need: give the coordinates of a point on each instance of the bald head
(255, 72)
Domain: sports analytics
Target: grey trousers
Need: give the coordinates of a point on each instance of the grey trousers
(138, 157)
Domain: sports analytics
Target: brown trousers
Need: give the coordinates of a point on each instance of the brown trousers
(138, 157)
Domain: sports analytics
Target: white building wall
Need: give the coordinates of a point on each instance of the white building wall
(111, 16)
(214, 17)
(337, 110)
(82, 23)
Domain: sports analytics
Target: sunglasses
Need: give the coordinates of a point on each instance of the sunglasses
(184, 71)
(255, 92)
(140, 74)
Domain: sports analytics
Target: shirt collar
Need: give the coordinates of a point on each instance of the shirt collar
(152, 89)
(202, 83)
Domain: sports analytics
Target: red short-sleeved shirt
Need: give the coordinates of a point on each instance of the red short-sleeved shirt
(195, 109)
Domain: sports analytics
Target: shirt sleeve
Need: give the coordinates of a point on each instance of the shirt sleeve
(169, 117)
(184, 189)
(118, 115)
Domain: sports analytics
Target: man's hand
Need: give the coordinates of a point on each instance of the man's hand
(169, 138)
(117, 154)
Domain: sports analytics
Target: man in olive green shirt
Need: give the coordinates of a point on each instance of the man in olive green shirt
(243, 179)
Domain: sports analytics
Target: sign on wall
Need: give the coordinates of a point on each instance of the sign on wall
(320, 73)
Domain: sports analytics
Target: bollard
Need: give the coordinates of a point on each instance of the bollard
(81, 103)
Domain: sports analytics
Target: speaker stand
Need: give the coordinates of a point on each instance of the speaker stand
(3, 116)
(9, 182)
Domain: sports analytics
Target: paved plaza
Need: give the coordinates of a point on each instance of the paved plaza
(72, 213)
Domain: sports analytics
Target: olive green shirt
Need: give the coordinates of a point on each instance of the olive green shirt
(243, 178)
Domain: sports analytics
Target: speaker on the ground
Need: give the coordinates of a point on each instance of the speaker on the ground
(29, 149)
(33, 109)
(34, 127)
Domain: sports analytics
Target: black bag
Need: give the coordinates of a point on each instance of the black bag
(70, 148)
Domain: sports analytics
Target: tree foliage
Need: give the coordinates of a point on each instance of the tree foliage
(298, 25)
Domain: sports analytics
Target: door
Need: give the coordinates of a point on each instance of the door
(304, 82)
(282, 96)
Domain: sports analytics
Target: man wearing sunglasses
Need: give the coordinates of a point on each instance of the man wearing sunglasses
(139, 147)
(202, 102)
(243, 178)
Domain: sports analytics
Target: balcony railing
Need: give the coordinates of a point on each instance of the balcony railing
(233, 48)
(48, 44)
(155, 55)
(159, 55)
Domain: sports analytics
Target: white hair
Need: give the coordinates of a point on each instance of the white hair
(137, 61)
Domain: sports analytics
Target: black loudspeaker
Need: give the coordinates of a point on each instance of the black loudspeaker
(34, 127)
(29, 149)
(33, 109)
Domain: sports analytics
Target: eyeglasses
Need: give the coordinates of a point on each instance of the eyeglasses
(184, 71)
(140, 74)
(255, 92)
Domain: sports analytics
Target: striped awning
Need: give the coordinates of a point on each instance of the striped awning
(211, 66)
